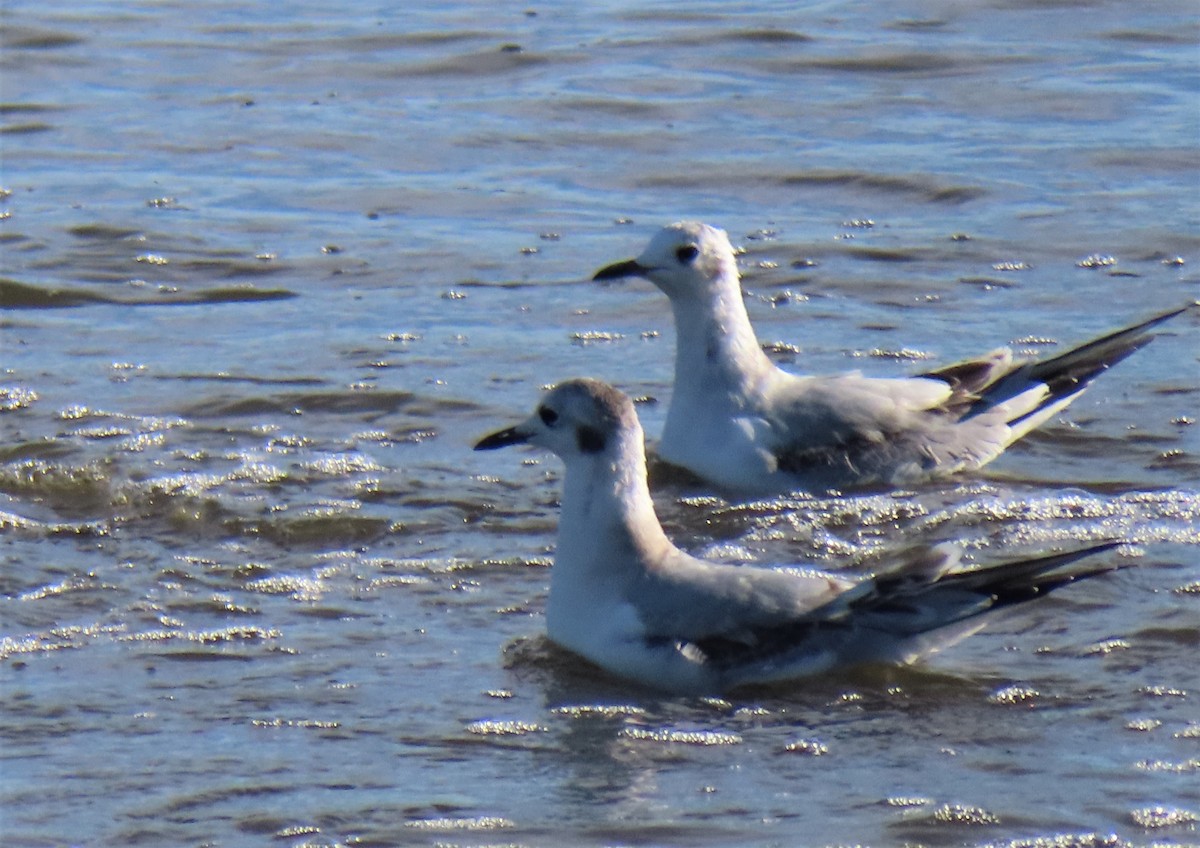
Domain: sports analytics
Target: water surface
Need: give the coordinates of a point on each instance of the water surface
(269, 270)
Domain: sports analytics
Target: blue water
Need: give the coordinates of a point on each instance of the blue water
(270, 269)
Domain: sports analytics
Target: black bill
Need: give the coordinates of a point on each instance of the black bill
(502, 439)
(620, 270)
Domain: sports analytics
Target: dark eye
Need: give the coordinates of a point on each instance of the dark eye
(687, 253)
(549, 416)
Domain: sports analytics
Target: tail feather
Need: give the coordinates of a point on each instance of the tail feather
(970, 378)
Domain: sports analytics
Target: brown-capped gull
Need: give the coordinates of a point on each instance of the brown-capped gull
(625, 598)
(744, 425)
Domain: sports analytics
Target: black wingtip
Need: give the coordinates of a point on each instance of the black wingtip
(1072, 371)
(1042, 575)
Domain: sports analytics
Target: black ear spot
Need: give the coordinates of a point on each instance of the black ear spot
(590, 439)
(687, 253)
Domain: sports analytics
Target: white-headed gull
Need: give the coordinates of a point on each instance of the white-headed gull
(624, 597)
(742, 424)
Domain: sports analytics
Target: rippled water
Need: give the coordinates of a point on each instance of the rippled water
(269, 269)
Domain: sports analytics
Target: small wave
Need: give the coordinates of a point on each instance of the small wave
(33, 38)
(926, 187)
(16, 295)
(892, 62)
(506, 59)
(290, 403)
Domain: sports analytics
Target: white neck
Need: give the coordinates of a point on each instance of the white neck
(606, 506)
(716, 350)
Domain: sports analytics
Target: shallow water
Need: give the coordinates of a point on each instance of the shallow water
(268, 271)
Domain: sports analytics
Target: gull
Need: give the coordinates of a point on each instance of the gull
(744, 425)
(625, 598)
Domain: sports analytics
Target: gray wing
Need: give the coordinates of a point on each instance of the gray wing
(869, 428)
(959, 416)
(912, 609)
(684, 598)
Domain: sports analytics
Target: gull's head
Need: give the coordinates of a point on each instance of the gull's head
(575, 419)
(687, 259)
